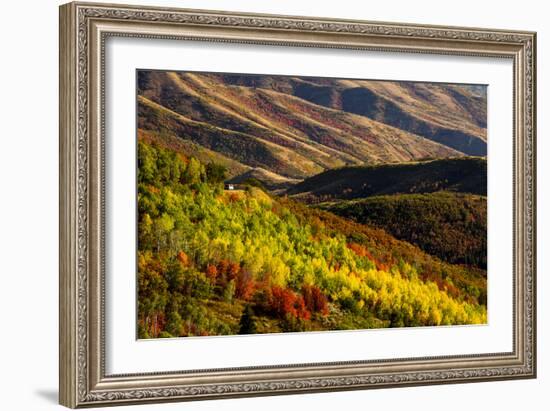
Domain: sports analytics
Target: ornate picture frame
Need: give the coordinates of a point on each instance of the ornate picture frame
(84, 28)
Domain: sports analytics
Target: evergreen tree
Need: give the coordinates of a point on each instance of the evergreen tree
(216, 173)
(247, 324)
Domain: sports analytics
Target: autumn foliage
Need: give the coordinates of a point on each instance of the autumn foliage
(285, 302)
(314, 300)
(212, 262)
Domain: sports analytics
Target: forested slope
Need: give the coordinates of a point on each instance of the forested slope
(452, 226)
(214, 262)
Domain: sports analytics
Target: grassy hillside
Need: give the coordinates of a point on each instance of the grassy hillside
(454, 115)
(270, 124)
(246, 149)
(267, 179)
(214, 262)
(467, 175)
(450, 115)
(452, 226)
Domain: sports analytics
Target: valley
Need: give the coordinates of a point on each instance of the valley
(289, 204)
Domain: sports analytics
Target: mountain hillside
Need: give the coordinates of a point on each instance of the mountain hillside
(221, 262)
(454, 115)
(296, 127)
(452, 226)
(451, 115)
(266, 178)
(467, 175)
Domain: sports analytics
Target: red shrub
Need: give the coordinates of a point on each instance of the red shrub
(315, 300)
(245, 288)
(362, 251)
(233, 270)
(223, 266)
(285, 302)
(358, 249)
(211, 272)
(301, 310)
(183, 258)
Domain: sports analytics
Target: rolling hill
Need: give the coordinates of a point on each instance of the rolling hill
(268, 179)
(451, 226)
(466, 175)
(218, 262)
(296, 127)
(450, 115)
(360, 204)
(454, 115)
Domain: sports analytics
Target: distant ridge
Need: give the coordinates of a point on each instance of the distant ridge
(465, 175)
(454, 115)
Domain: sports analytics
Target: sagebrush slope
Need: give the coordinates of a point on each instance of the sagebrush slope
(273, 123)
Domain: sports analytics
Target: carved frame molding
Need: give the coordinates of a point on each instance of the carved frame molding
(84, 27)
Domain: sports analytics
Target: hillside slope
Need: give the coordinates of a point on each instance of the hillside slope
(451, 114)
(451, 226)
(214, 262)
(467, 175)
(276, 124)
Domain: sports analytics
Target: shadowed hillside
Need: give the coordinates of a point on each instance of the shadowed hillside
(452, 226)
(467, 175)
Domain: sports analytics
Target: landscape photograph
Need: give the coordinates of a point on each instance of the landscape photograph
(270, 204)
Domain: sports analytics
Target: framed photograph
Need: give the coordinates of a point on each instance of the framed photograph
(259, 204)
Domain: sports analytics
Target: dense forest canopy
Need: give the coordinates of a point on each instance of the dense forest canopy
(452, 226)
(212, 262)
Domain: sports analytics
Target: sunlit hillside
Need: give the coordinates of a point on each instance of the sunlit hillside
(214, 262)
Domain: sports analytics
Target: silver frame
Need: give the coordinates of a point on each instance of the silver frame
(84, 27)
